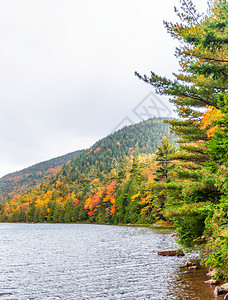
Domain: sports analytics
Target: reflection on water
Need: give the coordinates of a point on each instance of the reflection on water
(78, 261)
(190, 285)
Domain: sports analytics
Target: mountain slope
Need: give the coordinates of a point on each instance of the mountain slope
(143, 137)
(20, 181)
(72, 193)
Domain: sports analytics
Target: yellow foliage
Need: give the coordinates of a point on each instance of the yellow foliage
(135, 196)
(144, 210)
(212, 114)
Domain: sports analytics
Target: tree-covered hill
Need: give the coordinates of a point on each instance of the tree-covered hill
(124, 160)
(143, 137)
(20, 181)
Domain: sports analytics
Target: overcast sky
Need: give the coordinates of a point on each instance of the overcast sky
(67, 72)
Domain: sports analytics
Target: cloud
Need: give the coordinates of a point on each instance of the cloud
(67, 71)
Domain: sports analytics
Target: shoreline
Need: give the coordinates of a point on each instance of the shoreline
(154, 225)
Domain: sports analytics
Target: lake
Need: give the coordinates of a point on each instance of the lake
(86, 261)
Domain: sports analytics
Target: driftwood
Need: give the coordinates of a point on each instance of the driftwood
(171, 252)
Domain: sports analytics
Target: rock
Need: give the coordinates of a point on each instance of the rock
(212, 281)
(211, 273)
(174, 235)
(193, 267)
(171, 252)
(188, 264)
(225, 286)
(219, 290)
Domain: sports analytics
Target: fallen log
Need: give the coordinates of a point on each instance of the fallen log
(171, 252)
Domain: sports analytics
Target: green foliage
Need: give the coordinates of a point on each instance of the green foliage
(217, 245)
(189, 219)
(196, 202)
(143, 137)
(164, 155)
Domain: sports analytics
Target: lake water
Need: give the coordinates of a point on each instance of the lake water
(79, 261)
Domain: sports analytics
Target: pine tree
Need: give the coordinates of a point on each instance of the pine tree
(164, 156)
(204, 67)
(197, 199)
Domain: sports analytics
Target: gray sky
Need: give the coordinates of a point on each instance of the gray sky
(67, 72)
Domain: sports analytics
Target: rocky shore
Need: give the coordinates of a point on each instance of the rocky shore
(219, 290)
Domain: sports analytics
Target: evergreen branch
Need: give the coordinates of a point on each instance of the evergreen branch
(210, 59)
(165, 86)
(190, 10)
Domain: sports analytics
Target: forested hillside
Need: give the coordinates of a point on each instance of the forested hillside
(106, 153)
(20, 181)
(62, 198)
(143, 137)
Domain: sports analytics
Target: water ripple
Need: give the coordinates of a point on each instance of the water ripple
(77, 261)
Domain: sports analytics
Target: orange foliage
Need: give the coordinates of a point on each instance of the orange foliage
(97, 150)
(75, 202)
(90, 151)
(92, 201)
(130, 150)
(113, 210)
(148, 172)
(110, 192)
(111, 196)
(212, 114)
